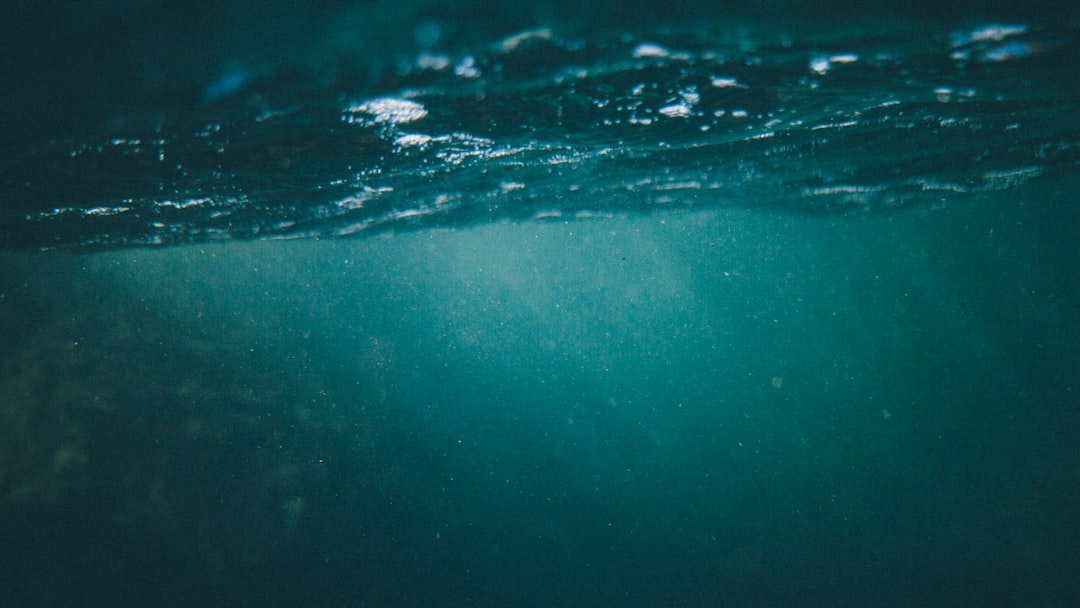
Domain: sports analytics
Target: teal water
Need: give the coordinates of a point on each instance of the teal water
(729, 407)
(554, 120)
(418, 304)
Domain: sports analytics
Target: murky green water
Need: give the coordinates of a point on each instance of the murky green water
(572, 312)
(723, 407)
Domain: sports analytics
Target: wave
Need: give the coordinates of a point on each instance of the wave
(545, 125)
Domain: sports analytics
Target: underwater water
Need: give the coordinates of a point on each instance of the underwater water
(430, 304)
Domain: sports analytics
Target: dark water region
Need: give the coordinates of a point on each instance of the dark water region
(726, 407)
(558, 304)
(339, 128)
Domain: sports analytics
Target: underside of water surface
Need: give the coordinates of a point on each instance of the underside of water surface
(443, 122)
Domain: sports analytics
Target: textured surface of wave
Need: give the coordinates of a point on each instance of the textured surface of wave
(548, 124)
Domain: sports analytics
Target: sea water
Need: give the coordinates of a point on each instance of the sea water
(546, 311)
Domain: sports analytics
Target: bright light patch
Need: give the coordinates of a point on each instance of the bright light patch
(390, 110)
(647, 49)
